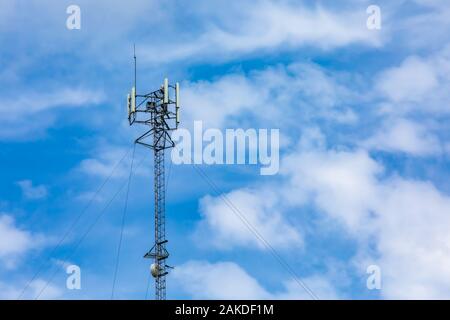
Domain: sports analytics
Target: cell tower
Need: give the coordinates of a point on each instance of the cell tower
(160, 111)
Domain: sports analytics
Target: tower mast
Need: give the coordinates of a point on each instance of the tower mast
(159, 110)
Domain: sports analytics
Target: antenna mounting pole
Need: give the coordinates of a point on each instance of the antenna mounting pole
(135, 71)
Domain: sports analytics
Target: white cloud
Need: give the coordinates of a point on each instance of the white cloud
(222, 280)
(113, 161)
(260, 208)
(320, 286)
(15, 242)
(26, 128)
(340, 183)
(267, 25)
(404, 136)
(404, 220)
(32, 103)
(413, 240)
(10, 291)
(312, 138)
(107, 160)
(397, 223)
(423, 30)
(411, 81)
(417, 85)
(29, 114)
(227, 280)
(280, 95)
(413, 90)
(32, 192)
(213, 102)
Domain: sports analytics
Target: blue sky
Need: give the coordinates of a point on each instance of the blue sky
(363, 118)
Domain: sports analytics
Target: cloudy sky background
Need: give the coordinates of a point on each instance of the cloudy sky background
(363, 118)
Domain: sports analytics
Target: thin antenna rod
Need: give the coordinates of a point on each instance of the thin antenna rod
(135, 67)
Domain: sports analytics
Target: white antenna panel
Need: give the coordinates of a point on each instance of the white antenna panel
(133, 99)
(166, 90)
(177, 101)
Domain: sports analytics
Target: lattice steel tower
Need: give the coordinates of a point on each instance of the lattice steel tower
(160, 111)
